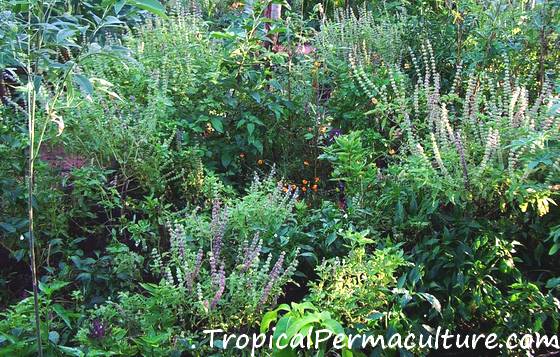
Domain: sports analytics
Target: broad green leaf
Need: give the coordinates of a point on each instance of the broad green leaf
(256, 96)
(267, 319)
(250, 128)
(217, 124)
(119, 6)
(63, 35)
(553, 283)
(300, 323)
(48, 289)
(334, 326)
(432, 300)
(152, 6)
(84, 83)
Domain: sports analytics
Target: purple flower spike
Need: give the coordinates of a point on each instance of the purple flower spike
(218, 228)
(194, 274)
(273, 276)
(221, 281)
(98, 329)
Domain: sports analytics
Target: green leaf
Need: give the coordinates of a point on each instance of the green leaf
(554, 249)
(48, 289)
(84, 83)
(282, 325)
(73, 351)
(334, 326)
(37, 80)
(152, 6)
(119, 5)
(432, 300)
(331, 238)
(226, 158)
(250, 128)
(217, 124)
(7, 227)
(299, 324)
(376, 316)
(259, 145)
(553, 283)
(267, 319)
(222, 35)
(63, 314)
(63, 35)
(256, 96)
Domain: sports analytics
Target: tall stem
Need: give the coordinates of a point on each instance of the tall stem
(31, 106)
(31, 184)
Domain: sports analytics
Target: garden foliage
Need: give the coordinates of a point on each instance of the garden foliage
(359, 166)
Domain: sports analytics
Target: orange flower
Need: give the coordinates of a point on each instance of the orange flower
(260, 162)
(293, 187)
(303, 188)
(314, 187)
(285, 189)
(317, 179)
(242, 155)
(306, 163)
(304, 182)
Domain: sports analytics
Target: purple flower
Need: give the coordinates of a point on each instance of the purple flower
(341, 186)
(272, 277)
(97, 329)
(193, 275)
(461, 150)
(342, 203)
(218, 228)
(221, 282)
(341, 196)
(333, 134)
(252, 252)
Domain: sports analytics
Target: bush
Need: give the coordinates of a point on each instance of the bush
(227, 286)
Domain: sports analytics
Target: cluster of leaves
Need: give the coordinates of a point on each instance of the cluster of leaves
(471, 195)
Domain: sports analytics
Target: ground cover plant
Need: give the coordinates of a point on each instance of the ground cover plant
(372, 168)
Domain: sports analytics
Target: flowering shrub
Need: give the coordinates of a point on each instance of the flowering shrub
(213, 288)
(476, 165)
(227, 291)
(268, 209)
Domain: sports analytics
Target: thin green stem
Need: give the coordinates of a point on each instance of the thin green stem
(31, 104)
